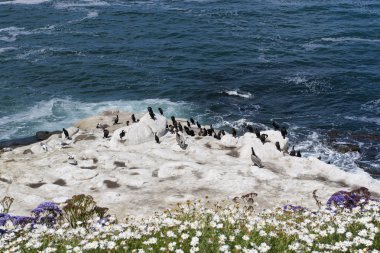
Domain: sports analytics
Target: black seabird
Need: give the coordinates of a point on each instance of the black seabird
(116, 120)
(180, 127)
(199, 125)
(133, 118)
(151, 113)
(66, 133)
(263, 138)
(188, 123)
(192, 121)
(217, 136)
(171, 129)
(233, 132)
(105, 133)
(256, 161)
(284, 132)
(292, 152)
(204, 132)
(127, 122)
(250, 129)
(223, 133)
(173, 119)
(210, 131)
(161, 111)
(275, 125)
(122, 134)
(257, 132)
(156, 138)
(298, 153)
(278, 146)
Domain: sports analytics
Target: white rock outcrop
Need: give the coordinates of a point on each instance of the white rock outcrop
(138, 176)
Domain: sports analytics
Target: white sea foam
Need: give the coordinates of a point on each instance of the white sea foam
(25, 2)
(350, 39)
(364, 119)
(238, 93)
(296, 79)
(84, 3)
(312, 145)
(9, 34)
(5, 49)
(55, 113)
(372, 106)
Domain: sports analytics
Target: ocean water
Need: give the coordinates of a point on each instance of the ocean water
(313, 66)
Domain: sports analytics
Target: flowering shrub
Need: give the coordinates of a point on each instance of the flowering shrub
(47, 213)
(351, 199)
(202, 227)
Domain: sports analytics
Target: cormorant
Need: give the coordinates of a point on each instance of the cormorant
(292, 152)
(122, 134)
(105, 133)
(233, 132)
(116, 120)
(278, 146)
(156, 138)
(257, 132)
(66, 133)
(263, 138)
(256, 161)
(275, 125)
(284, 132)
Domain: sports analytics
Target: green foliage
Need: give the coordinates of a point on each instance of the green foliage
(82, 208)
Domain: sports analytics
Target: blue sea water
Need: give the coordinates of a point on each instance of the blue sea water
(313, 66)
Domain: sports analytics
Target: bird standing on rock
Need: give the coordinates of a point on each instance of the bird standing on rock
(199, 125)
(278, 146)
(275, 125)
(233, 132)
(151, 113)
(257, 132)
(250, 129)
(284, 132)
(133, 118)
(122, 134)
(256, 161)
(298, 153)
(116, 120)
(263, 138)
(192, 121)
(67, 136)
(292, 152)
(188, 123)
(161, 111)
(180, 127)
(156, 138)
(105, 133)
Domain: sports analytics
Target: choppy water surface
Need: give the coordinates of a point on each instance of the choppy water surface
(313, 66)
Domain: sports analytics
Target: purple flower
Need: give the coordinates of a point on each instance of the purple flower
(344, 199)
(22, 220)
(47, 207)
(46, 213)
(4, 217)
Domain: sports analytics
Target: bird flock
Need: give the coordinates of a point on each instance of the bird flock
(175, 127)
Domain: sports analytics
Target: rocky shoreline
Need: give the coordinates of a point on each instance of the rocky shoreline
(135, 175)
